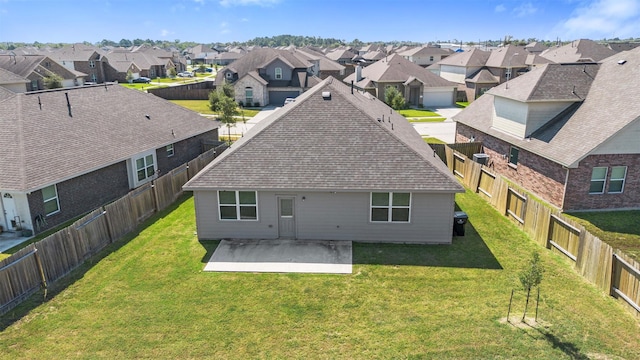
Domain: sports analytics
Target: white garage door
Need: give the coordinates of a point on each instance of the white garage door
(438, 98)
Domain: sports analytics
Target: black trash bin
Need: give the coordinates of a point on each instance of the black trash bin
(459, 219)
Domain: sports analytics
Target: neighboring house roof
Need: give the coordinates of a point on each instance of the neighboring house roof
(340, 54)
(508, 56)
(258, 58)
(425, 51)
(373, 55)
(310, 145)
(141, 60)
(5, 94)
(108, 124)
(535, 47)
(25, 65)
(484, 76)
(395, 68)
(7, 77)
(551, 82)
(583, 50)
(325, 64)
(575, 133)
(75, 52)
(472, 58)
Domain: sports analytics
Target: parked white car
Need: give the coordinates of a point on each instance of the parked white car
(185, 74)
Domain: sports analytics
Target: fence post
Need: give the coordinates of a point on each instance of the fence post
(41, 271)
(613, 276)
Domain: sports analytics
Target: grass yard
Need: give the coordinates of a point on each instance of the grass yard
(416, 113)
(462, 104)
(148, 298)
(432, 140)
(141, 87)
(202, 107)
(619, 229)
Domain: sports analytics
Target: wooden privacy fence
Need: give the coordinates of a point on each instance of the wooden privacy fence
(610, 269)
(44, 262)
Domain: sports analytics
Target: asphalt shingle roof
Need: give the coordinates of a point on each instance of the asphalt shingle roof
(611, 105)
(578, 51)
(395, 68)
(350, 142)
(44, 145)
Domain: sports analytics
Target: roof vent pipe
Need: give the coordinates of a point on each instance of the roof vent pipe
(68, 104)
(351, 87)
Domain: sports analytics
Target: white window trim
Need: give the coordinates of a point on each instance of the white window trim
(92, 64)
(237, 205)
(390, 208)
(56, 198)
(604, 179)
(623, 179)
(170, 150)
(134, 170)
(276, 73)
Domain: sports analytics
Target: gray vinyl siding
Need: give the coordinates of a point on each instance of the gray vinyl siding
(332, 216)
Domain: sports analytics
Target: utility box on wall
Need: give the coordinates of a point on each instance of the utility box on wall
(481, 158)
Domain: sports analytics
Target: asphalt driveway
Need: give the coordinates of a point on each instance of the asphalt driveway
(282, 256)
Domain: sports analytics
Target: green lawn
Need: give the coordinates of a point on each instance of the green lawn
(619, 229)
(432, 140)
(202, 106)
(462, 104)
(148, 298)
(142, 86)
(416, 113)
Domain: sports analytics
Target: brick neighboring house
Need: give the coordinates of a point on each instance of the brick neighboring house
(419, 86)
(69, 151)
(268, 76)
(118, 62)
(35, 68)
(566, 132)
(79, 57)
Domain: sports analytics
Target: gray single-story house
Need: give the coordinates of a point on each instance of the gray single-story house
(335, 165)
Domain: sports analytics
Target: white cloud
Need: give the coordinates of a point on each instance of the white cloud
(500, 8)
(224, 28)
(602, 19)
(165, 33)
(244, 20)
(525, 9)
(201, 2)
(228, 3)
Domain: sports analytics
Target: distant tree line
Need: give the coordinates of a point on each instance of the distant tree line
(298, 41)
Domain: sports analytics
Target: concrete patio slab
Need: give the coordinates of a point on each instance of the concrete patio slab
(282, 256)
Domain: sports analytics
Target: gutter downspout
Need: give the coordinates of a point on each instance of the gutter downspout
(564, 194)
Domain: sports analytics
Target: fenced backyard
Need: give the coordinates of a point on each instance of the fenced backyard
(611, 270)
(48, 260)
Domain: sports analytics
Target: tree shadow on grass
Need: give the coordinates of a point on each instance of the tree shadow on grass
(570, 349)
(468, 251)
(42, 296)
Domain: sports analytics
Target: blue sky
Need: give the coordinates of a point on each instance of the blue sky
(208, 21)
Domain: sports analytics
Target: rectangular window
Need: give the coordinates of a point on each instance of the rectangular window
(145, 167)
(513, 155)
(390, 207)
(278, 73)
(238, 205)
(598, 179)
(94, 78)
(248, 94)
(50, 198)
(618, 175)
(170, 150)
(34, 84)
(431, 58)
(92, 64)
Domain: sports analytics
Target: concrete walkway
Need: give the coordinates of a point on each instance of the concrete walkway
(9, 239)
(282, 256)
(445, 131)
